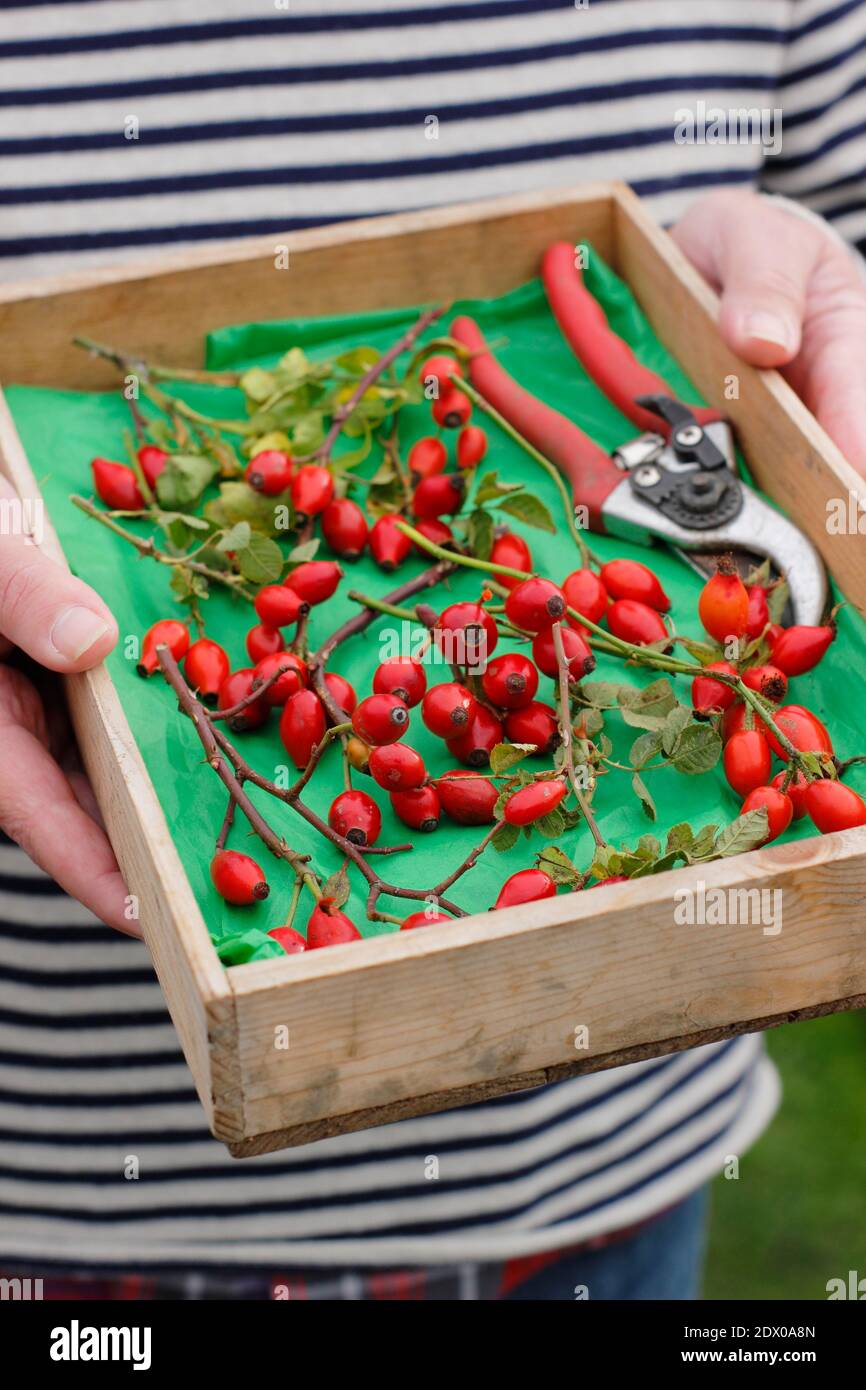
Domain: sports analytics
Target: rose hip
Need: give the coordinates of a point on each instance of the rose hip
(402, 677)
(799, 649)
(329, 927)
(758, 613)
(467, 633)
(631, 579)
(452, 409)
(795, 791)
(238, 878)
(263, 641)
(168, 632)
(423, 919)
(577, 654)
(427, 457)
(803, 728)
(294, 677)
(116, 485)
(315, 581)
(342, 691)
(474, 745)
(710, 696)
(636, 622)
(152, 461)
(769, 681)
(778, 806)
(723, 605)
(270, 472)
(747, 761)
(389, 546)
(438, 496)
(356, 817)
(512, 551)
(537, 724)
(448, 709)
(381, 719)
(471, 446)
(437, 372)
(302, 726)
(312, 490)
(345, 528)
(435, 530)
(206, 668)
(510, 681)
(526, 886)
(585, 592)
(833, 806)
(278, 606)
(397, 767)
(291, 941)
(235, 689)
(418, 808)
(467, 798)
(535, 604)
(532, 802)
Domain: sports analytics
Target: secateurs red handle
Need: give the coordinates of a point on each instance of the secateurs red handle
(592, 473)
(608, 360)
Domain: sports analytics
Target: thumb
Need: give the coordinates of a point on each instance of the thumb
(45, 610)
(762, 258)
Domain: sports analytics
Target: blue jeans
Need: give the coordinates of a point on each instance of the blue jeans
(664, 1260)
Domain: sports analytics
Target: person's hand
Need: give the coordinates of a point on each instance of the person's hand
(46, 803)
(792, 297)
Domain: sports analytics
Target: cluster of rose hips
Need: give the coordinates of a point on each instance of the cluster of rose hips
(729, 610)
(498, 706)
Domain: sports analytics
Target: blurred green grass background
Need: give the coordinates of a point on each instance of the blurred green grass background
(796, 1216)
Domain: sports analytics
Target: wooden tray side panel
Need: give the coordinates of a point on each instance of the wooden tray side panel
(192, 978)
(163, 309)
(497, 1001)
(792, 458)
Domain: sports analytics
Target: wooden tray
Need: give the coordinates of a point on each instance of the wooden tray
(405, 1025)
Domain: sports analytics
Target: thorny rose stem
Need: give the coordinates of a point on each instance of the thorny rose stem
(149, 548)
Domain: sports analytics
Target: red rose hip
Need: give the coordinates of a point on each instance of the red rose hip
(526, 886)
(206, 668)
(302, 726)
(356, 817)
(535, 604)
(380, 719)
(533, 801)
(238, 878)
(418, 808)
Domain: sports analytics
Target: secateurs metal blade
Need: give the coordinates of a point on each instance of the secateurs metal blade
(677, 481)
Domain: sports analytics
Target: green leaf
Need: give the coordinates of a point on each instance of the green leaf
(678, 720)
(261, 562)
(350, 458)
(293, 366)
(337, 886)
(745, 833)
(489, 488)
(680, 837)
(758, 574)
(236, 538)
(704, 652)
(308, 433)
(358, 360)
(307, 550)
(506, 837)
(644, 747)
(559, 867)
(480, 534)
(592, 721)
(184, 479)
(258, 385)
(238, 502)
(642, 793)
(702, 845)
(506, 755)
(530, 510)
(777, 600)
(552, 825)
(698, 750)
(601, 694)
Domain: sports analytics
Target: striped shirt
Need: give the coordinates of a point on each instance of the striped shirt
(128, 125)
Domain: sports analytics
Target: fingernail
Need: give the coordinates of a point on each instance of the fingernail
(770, 328)
(75, 631)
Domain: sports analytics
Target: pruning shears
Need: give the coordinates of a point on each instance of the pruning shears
(677, 481)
